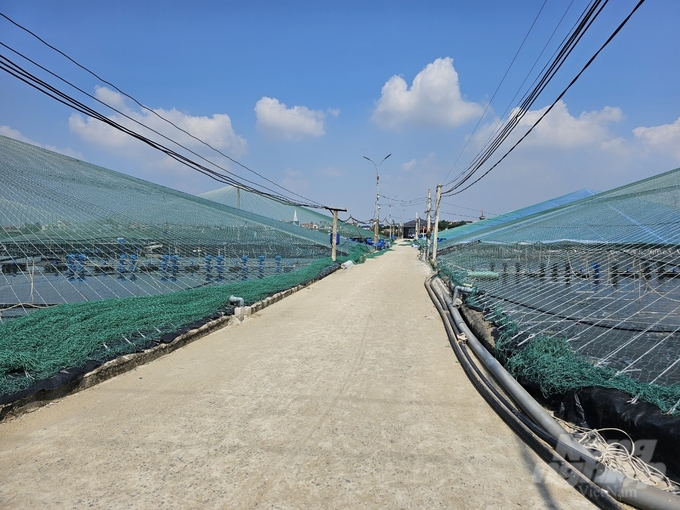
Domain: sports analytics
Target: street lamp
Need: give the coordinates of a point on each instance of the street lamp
(377, 196)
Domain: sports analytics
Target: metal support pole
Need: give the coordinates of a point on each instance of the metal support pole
(436, 222)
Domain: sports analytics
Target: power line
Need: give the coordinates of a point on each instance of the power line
(18, 72)
(127, 116)
(590, 61)
(413, 201)
(497, 89)
(511, 102)
(586, 21)
(310, 203)
(467, 208)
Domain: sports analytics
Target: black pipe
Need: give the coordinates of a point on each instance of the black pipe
(503, 408)
(625, 489)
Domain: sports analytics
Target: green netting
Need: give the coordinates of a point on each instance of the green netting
(71, 231)
(94, 263)
(247, 201)
(40, 344)
(555, 367)
(466, 230)
(600, 276)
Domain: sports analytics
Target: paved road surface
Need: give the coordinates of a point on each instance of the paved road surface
(344, 395)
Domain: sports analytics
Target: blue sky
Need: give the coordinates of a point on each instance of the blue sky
(300, 91)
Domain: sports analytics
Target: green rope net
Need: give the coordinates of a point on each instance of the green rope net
(585, 293)
(95, 264)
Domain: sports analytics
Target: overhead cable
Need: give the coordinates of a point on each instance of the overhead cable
(494, 132)
(488, 105)
(131, 118)
(586, 21)
(452, 191)
(18, 72)
(309, 203)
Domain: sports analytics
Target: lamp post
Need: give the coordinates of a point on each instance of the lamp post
(377, 197)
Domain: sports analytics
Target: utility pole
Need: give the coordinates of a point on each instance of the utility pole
(238, 198)
(376, 226)
(417, 226)
(334, 233)
(436, 222)
(391, 223)
(429, 208)
(427, 232)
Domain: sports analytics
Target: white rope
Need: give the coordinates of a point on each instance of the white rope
(617, 457)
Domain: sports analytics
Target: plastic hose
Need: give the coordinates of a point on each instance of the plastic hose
(623, 488)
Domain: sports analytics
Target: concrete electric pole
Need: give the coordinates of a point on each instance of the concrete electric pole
(427, 232)
(436, 222)
(376, 225)
(334, 232)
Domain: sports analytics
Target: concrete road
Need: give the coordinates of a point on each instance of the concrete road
(344, 395)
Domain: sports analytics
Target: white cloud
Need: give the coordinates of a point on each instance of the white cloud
(278, 121)
(15, 134)
(111, 97)
(665, 137)
(434, 100)
(559, 129)
(567, 152)
(138, 159)
(215, 130)
(416, 165)
(410, 166)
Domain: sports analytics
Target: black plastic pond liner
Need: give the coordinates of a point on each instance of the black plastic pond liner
(597, 408)
(60, 380)
(170, 337)
(68, 378)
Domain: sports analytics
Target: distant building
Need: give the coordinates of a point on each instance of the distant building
(410, 228)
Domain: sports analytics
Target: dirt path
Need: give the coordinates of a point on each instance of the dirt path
(344, 395)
